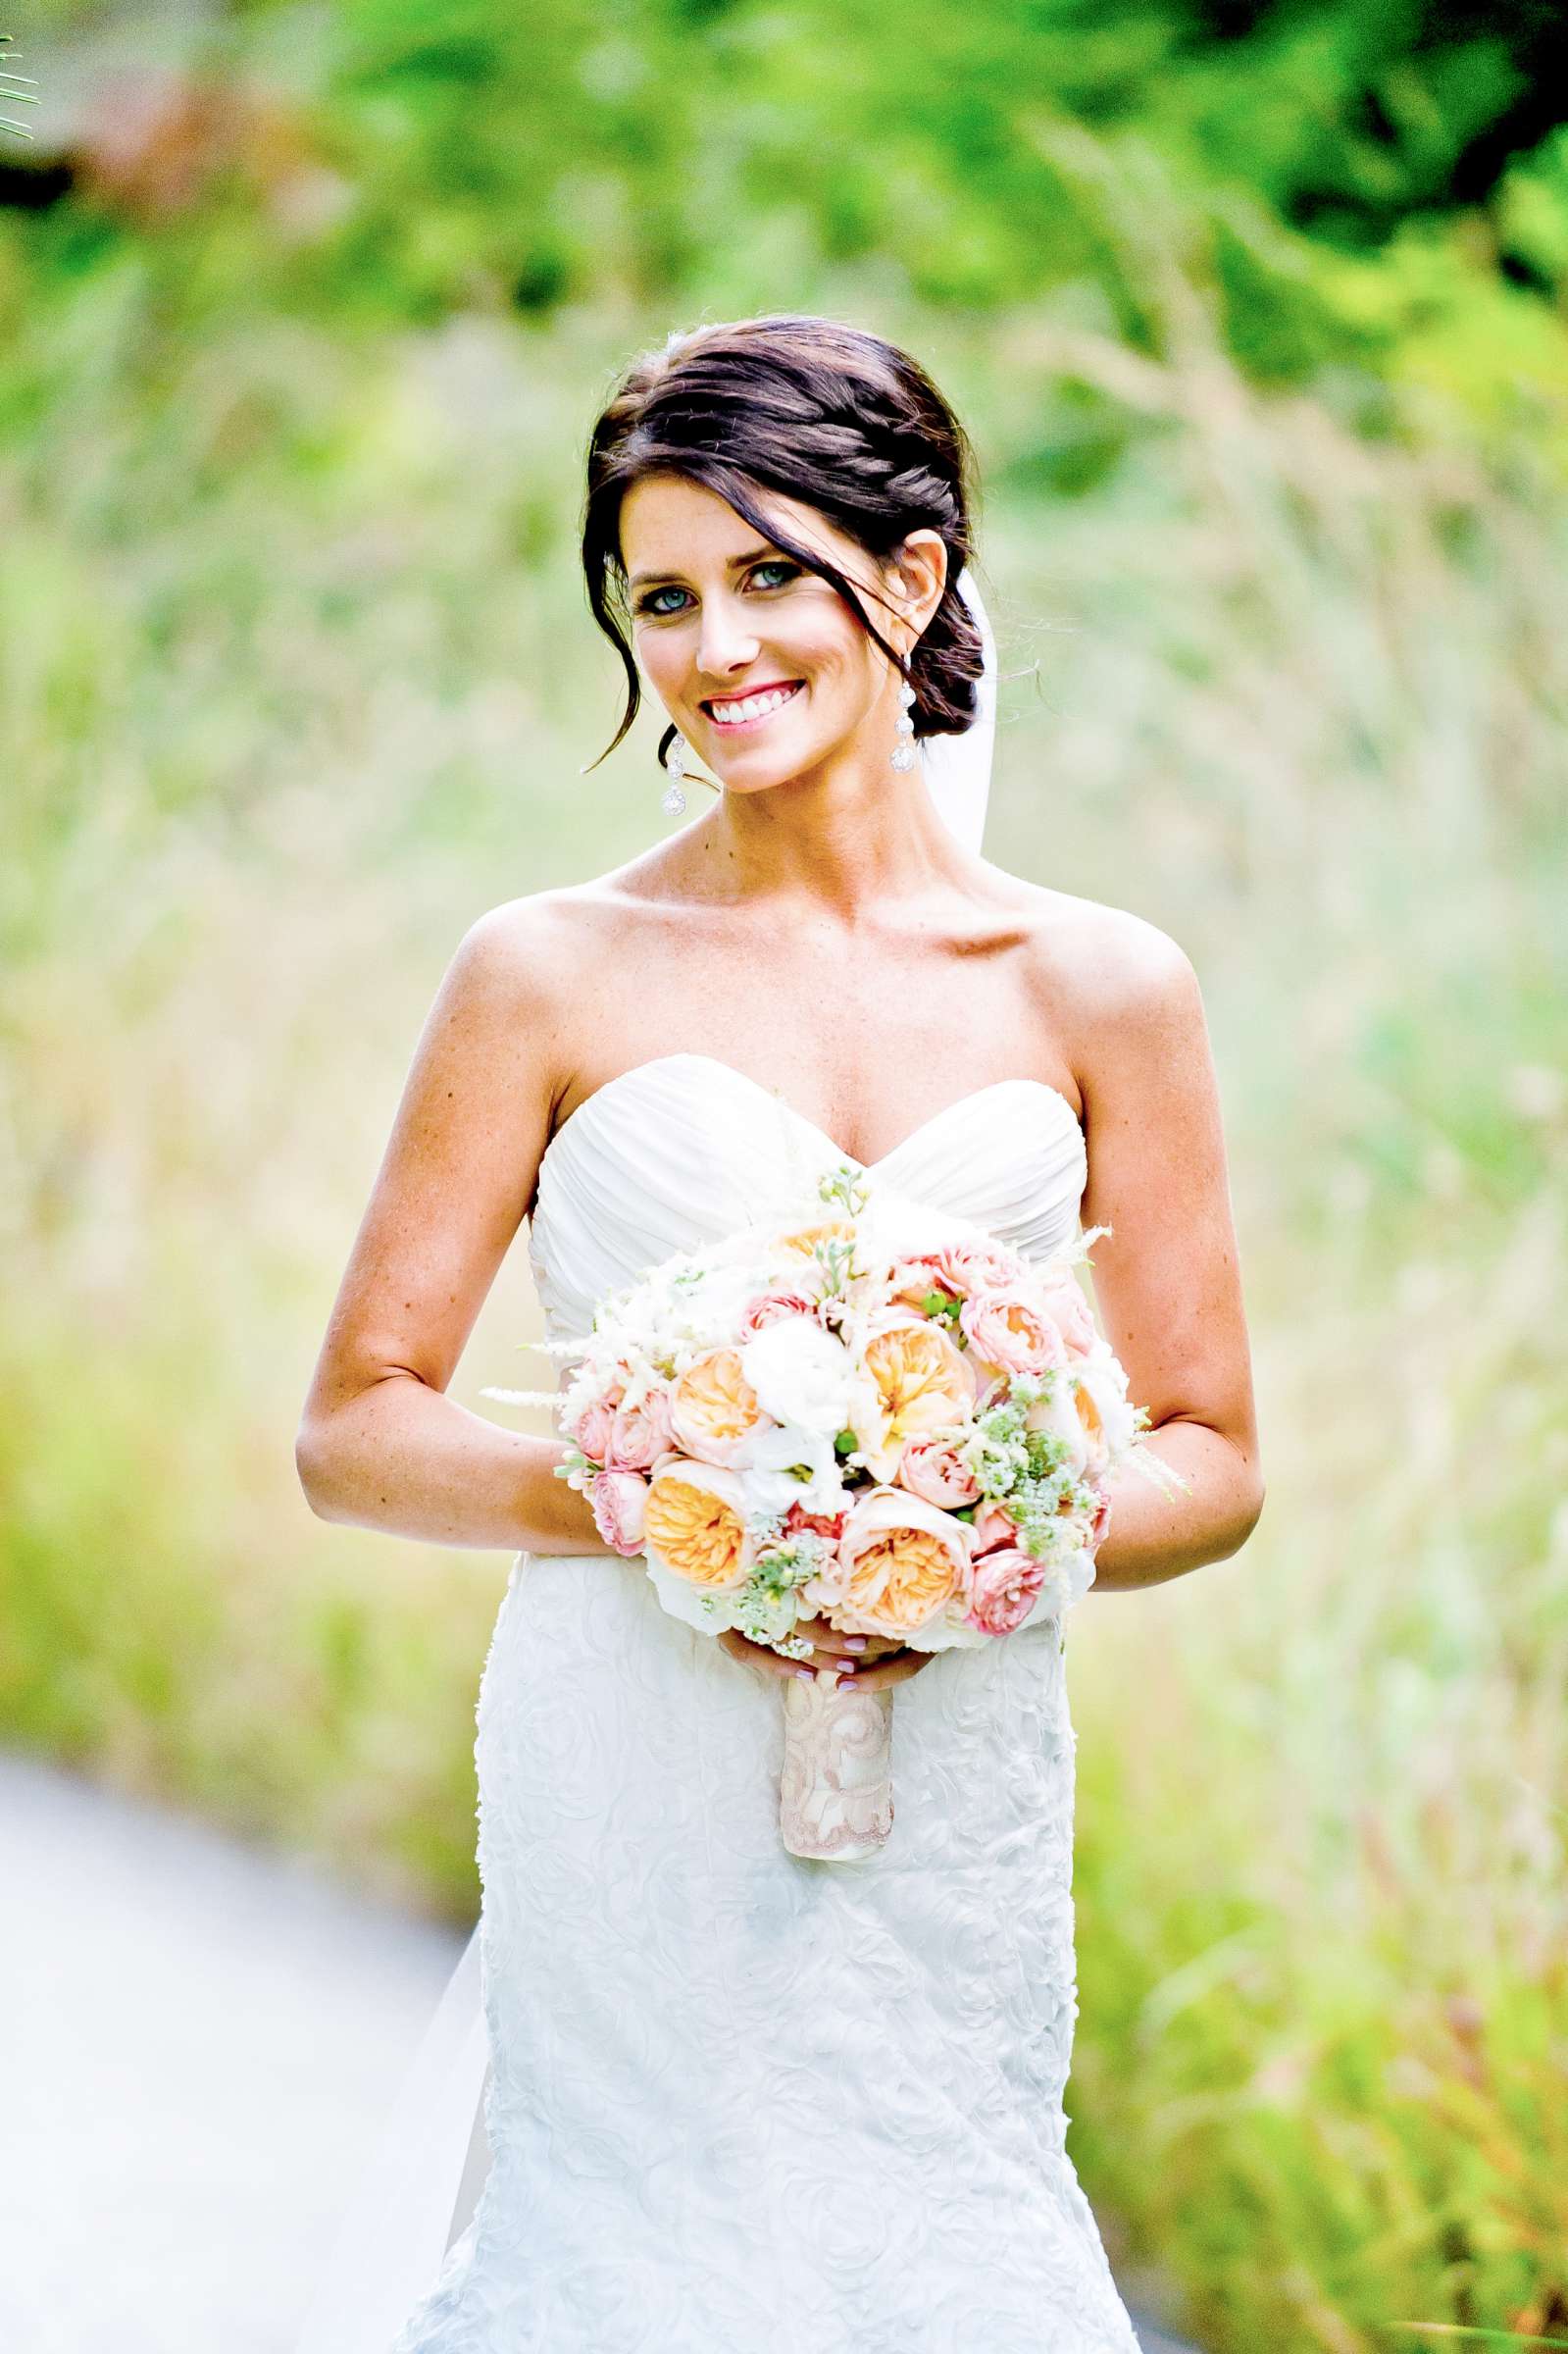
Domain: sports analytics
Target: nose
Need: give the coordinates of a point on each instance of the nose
(726, 645)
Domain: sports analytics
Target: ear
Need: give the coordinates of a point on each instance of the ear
(920, 576)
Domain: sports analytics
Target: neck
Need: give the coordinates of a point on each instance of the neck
(835, 843)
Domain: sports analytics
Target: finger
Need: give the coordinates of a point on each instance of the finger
(897, 1670)
(761, 1656)
(845, 1666)
(836, 1645)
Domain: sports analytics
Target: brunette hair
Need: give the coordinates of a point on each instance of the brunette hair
(817, 411)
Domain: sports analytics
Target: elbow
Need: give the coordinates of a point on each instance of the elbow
(1250, 1511)
(1239, 1507)
(312, 1466)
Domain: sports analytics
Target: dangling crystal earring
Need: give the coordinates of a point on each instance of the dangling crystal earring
(674, 801)
(903, 752)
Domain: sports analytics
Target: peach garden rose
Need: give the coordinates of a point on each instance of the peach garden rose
(694, 1525)
(714, 1410)
(903, 1560)
(913, 1379)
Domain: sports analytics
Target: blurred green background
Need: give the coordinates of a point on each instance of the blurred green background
(1258, 317)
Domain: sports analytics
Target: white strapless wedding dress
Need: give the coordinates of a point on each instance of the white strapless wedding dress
(739, 2103)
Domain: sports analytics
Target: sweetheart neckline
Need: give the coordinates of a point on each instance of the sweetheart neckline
(716, 1062)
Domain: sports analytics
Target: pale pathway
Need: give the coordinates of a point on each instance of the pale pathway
(200, 2042)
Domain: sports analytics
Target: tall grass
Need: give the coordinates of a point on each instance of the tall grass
(297, 679)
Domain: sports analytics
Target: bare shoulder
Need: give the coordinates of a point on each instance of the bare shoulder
(1101, 975)
(542, 932)
(1114, 959)
(519, 942)
(531, 953)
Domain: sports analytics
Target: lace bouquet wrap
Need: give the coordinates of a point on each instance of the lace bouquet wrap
(871, 1413)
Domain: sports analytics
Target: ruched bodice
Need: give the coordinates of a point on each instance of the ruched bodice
(684, 1149)
(742, 2103)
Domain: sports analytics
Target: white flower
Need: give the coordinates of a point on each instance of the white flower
(1105, 1380)
(893, 1226)
(777, 1454)
(800, 1373)
(1088, 1407)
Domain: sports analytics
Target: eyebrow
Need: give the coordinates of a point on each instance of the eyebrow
(641, 580)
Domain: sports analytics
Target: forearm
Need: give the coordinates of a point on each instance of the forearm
(405, 1458)
(1153, 1537)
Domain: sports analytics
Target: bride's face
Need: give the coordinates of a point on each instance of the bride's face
(719, 614)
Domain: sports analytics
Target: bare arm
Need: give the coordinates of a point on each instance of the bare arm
(1167, 1283)
(380, 1444)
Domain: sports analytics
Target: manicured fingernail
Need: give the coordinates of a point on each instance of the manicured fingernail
(855, 1642)
(807, 1676)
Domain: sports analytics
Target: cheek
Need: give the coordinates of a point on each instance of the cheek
(659, 661)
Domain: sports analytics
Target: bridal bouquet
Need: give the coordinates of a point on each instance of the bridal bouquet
(870, 1413)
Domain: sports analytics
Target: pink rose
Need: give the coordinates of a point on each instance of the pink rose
(1004, 1586)
(992, 1525)
(913, 1277)
(823, 1524)
(1063, 1299)
(1007, 1331)
(639, 1434)
(969, 1267)
(620, 1501)
(593, 1427)
(935, 1470)
(771, 1308)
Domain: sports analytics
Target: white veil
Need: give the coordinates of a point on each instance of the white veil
(421, 2188)
(958, 767)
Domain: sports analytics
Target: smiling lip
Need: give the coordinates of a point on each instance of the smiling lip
(721, 702)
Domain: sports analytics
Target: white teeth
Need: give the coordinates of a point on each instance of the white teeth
(728, 715)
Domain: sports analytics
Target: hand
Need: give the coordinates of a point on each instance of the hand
(870, 1663)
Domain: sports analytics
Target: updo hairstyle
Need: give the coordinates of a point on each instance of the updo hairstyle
(816, 411)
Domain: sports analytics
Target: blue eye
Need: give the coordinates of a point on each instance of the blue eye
(646, 604)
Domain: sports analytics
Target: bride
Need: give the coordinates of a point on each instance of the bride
(689, 2093)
